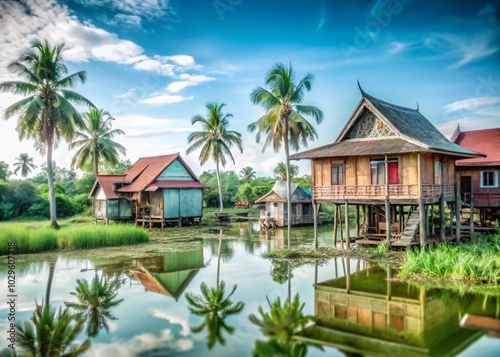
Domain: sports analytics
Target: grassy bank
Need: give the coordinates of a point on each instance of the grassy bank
(29, 239)
(476, 261)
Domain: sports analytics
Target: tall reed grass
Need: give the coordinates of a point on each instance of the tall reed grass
(477, 261)
(100, 236)
(27, 240)
(30, 240)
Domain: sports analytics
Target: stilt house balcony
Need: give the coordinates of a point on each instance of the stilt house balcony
(379, 192)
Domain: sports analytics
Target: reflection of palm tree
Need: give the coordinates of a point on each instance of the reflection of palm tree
(95, 302)
(51, 334)
(280, 324)
(215, 306)
(280, 271)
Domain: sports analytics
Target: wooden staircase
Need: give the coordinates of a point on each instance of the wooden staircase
(409, 236)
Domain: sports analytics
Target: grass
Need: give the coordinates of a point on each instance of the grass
(36, 237)
(477, 261)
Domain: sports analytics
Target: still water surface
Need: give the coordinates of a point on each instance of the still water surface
(360, 309)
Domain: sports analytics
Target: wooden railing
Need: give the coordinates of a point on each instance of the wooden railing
(378, 192)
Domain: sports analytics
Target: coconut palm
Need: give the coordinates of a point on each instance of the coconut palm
(284, 124)
(214, 140)
(96, 141)
(46, 114)
(215, 306)
(51, 333)
(280, 171)
(280, 324)
(247, 174)
(25, 164)
(95, 301)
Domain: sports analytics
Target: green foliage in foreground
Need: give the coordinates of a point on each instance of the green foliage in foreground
(29, 240)
(476, 261)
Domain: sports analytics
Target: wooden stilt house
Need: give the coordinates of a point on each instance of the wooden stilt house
(155, 190)
(394, 165)
(276, 205)
(479, 178)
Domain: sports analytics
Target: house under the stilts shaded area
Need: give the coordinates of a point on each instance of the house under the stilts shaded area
(478, 178)
(392, 163)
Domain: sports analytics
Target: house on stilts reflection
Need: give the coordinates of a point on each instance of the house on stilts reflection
(394, 167)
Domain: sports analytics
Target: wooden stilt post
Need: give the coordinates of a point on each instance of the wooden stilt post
(387, 205)
(421, 207)
(433, 229)
(471, 215)
(357, 221)
(346, 216)
(458, 208)
(441, 204)
(401, 219)
(348, 275)
(341, 230)
(315, 219)
(335, 213)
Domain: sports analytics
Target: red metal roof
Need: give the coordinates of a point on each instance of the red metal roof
(486, 142)
(175, 184)
(106, 183)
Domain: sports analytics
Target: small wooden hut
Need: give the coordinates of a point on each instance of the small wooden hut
(478, 177)
(155, 190)
(394, 164)
(276, 205)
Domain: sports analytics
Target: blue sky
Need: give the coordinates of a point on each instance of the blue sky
(154, 64)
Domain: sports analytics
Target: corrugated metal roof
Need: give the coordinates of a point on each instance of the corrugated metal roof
(486, 142)
(106, 183)
(279, 188)
(414, 134)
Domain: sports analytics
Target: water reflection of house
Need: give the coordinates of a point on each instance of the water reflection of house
(276, 204)
(171, 273)
(366, 314)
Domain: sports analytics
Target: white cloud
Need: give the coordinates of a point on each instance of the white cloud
(471, 103)
(165, 99)
(140, 344)
(178, 86)
(199, 78)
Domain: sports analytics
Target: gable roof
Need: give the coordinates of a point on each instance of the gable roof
(278, 193)
(413, 133)
(106, 183)
(145, 171)
(485, 141)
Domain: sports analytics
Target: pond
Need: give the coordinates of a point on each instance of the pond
(360, 308)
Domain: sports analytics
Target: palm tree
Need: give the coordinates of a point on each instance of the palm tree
(96, 140)
(95, 301)
(51, 334)
(215, 306)
(46, 114)
(280, 324)
(214, 140)
(284, 122)
(280, 171)
(247, 174)
(25, 164)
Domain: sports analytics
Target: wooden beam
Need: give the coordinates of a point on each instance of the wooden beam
(315, 222)
(421, 208)
(387, 205)
(346, 217)
(357, 221)
(441, 202)
(458, 207)
(335, 213)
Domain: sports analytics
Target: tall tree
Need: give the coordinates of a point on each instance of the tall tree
(215, 140)
(25, 164)
(4, 171)
(284, 123)
(247, 174)
(96, 141)
(280, 171)
(46, 114)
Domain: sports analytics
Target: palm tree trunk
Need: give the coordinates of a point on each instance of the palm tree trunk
(96, 163)
(52, 267)
(52, 192)
(288, 188)
(220, 186)
(219, 251)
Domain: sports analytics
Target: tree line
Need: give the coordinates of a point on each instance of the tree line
(47, 115)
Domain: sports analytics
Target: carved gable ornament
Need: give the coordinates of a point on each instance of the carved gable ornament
(368, 125)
